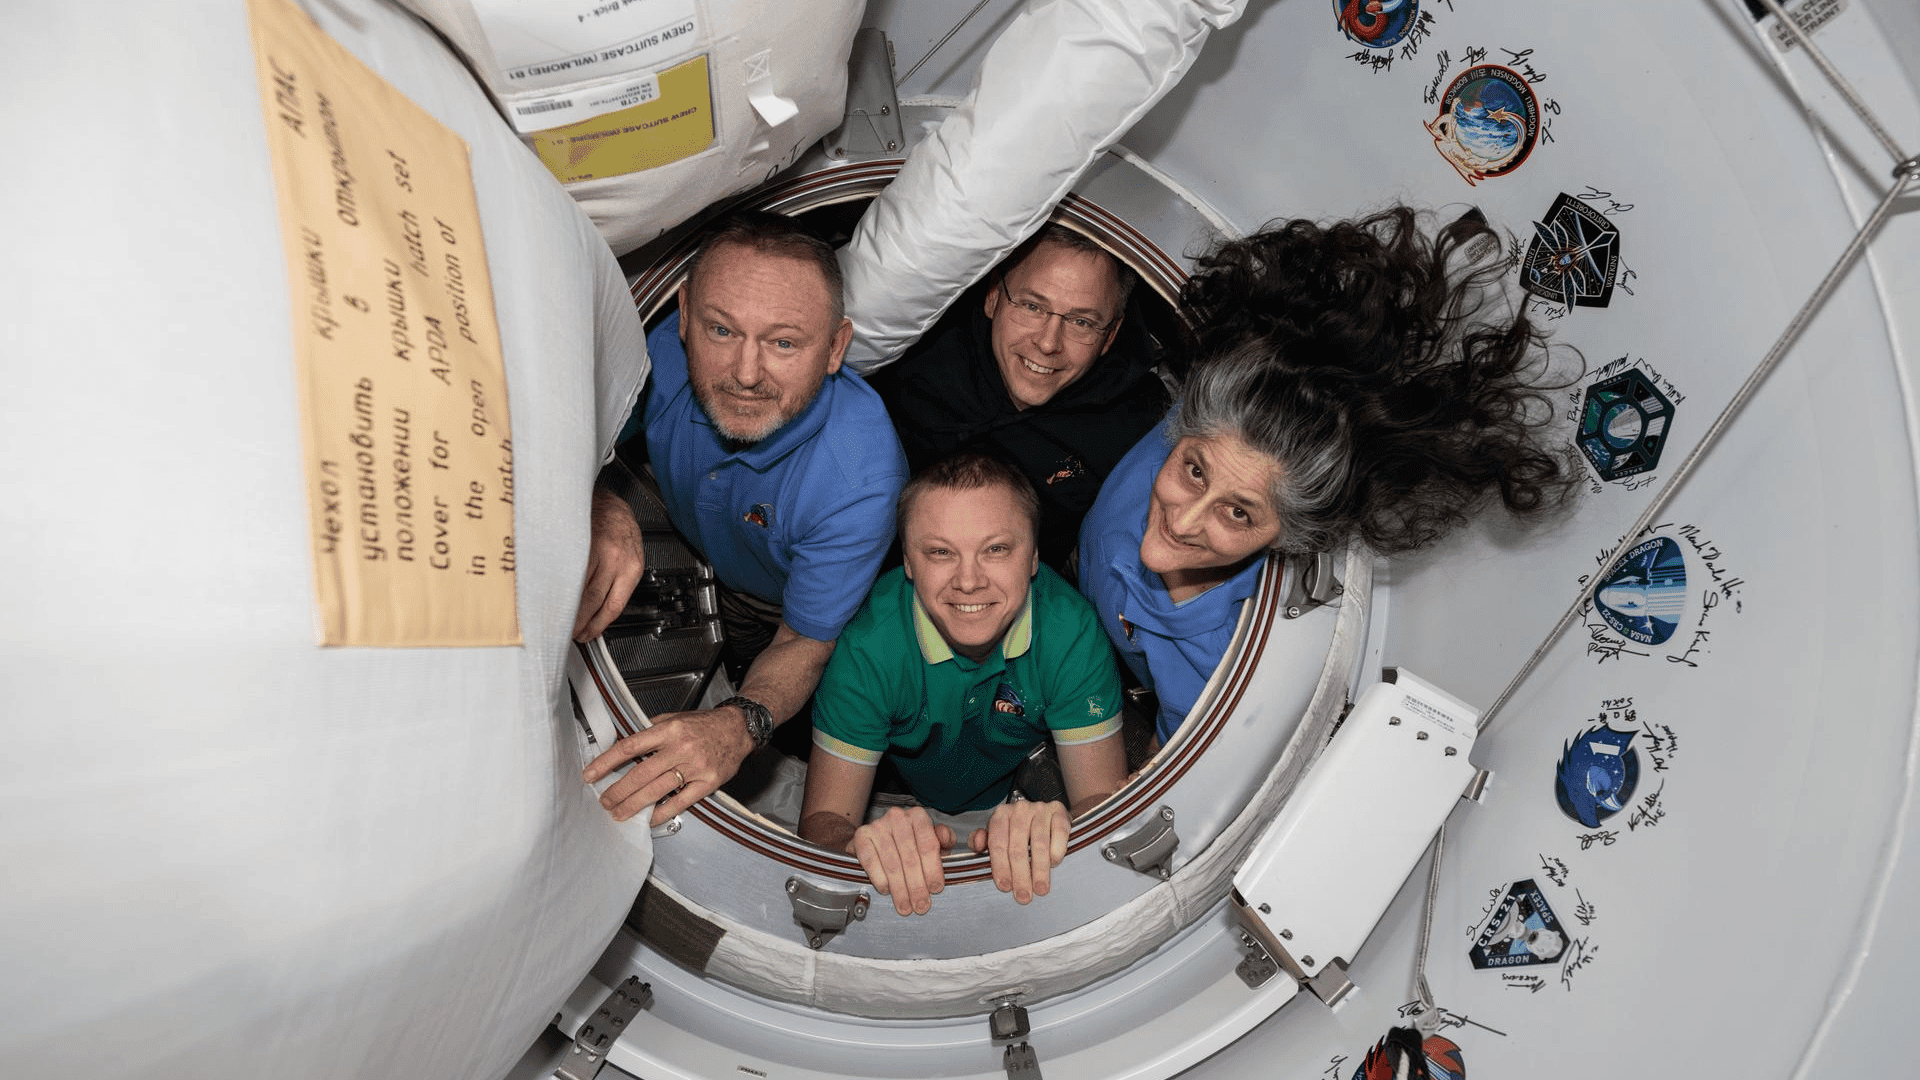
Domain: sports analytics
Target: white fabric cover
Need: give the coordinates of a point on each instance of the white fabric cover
(781, 968)
(1062, 83)
(229, 852)
(806, 72)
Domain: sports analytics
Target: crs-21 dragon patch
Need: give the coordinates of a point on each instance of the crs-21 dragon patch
(1522, 930)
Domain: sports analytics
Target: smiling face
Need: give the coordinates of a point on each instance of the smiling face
(1210, 511)
(1038, 361)
(971, 556)
(760, 339)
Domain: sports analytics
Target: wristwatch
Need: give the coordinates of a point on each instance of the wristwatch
(759, 719)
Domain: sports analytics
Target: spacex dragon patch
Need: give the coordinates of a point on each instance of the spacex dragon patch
(1522, 930)
(1646, 593)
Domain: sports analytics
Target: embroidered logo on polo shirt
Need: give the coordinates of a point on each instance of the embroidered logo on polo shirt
(1071, 468)
(1007, 700)
(761, 515)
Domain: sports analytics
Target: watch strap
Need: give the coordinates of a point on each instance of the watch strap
(759, 718)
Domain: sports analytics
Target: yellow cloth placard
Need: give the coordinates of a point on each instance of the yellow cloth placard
(677, 124)
(403, 395)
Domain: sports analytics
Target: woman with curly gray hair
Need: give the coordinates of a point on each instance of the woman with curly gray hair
(1347, 388)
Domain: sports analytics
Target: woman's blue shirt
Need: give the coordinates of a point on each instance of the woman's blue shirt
(1171, 648)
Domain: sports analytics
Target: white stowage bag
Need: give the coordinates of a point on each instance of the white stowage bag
(1062, 83)
(652, 110)
(227, 851)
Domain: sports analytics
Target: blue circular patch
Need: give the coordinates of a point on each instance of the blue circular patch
(1596, 775)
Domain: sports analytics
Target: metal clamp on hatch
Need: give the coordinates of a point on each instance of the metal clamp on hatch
(1310, 583)
(666, 641)
(823, 913)
(1149, 848)
(1362, 817)
(1008, 1023)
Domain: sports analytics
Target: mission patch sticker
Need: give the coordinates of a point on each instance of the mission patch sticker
(1522, 930)
(1623, 425)
(1574, 256)
(1439, 1054)
(1646, 592)
(1596, 775)
(1487, 124)
(1377, 24)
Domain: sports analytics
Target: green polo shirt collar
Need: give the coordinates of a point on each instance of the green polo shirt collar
(935, 650)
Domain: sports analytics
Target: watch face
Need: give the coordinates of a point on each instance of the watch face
(759, 718)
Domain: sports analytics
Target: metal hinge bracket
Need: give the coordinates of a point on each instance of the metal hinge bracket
(871, 126)
(1477, 787)
(1330, 984)
(599, 1031)
(1148, 849)
(1255, 967)
(823, 913)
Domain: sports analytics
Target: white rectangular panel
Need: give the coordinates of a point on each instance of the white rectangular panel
(1331, 862)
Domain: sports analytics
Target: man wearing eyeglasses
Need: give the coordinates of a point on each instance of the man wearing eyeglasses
(1047, 374)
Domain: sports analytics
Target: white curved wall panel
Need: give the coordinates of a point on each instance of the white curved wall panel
(1761, 885)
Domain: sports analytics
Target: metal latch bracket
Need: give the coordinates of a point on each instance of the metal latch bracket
(1009, 1022)
(1149, 848)
(603, 1028)
(823, 913)
(1255, 966)
(1260, 942)
(1312, 584)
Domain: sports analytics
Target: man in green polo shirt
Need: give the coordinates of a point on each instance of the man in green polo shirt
(958, 666)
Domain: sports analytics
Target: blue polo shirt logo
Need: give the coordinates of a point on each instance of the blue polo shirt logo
(761, 515)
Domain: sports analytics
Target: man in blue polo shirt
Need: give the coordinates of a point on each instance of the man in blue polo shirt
(960, 664)
(781, 468)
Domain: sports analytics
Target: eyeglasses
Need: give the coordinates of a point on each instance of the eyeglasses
(1077, 328)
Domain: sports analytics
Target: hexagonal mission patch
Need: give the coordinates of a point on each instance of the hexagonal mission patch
(1623, 425)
